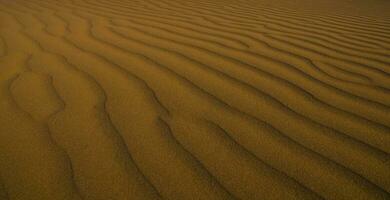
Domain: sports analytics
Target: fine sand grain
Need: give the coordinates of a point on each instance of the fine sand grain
(194, 99)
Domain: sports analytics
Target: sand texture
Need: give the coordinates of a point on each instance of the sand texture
(194, 99)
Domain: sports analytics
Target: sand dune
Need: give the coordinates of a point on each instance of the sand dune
(170, 99)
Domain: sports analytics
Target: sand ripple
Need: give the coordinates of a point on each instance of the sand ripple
(172, 99)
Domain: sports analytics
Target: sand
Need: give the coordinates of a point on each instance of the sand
(194, 99)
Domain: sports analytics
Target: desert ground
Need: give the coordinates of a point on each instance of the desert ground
(194, 99)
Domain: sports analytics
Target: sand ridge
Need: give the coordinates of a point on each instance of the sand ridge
(194, 99)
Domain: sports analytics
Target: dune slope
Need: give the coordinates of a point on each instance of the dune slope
(194, 99)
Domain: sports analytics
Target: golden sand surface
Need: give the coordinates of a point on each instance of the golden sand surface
(194, 99)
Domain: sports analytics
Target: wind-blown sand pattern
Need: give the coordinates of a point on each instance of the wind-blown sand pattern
(194, 99)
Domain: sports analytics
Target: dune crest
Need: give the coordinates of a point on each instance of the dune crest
(225, 99)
